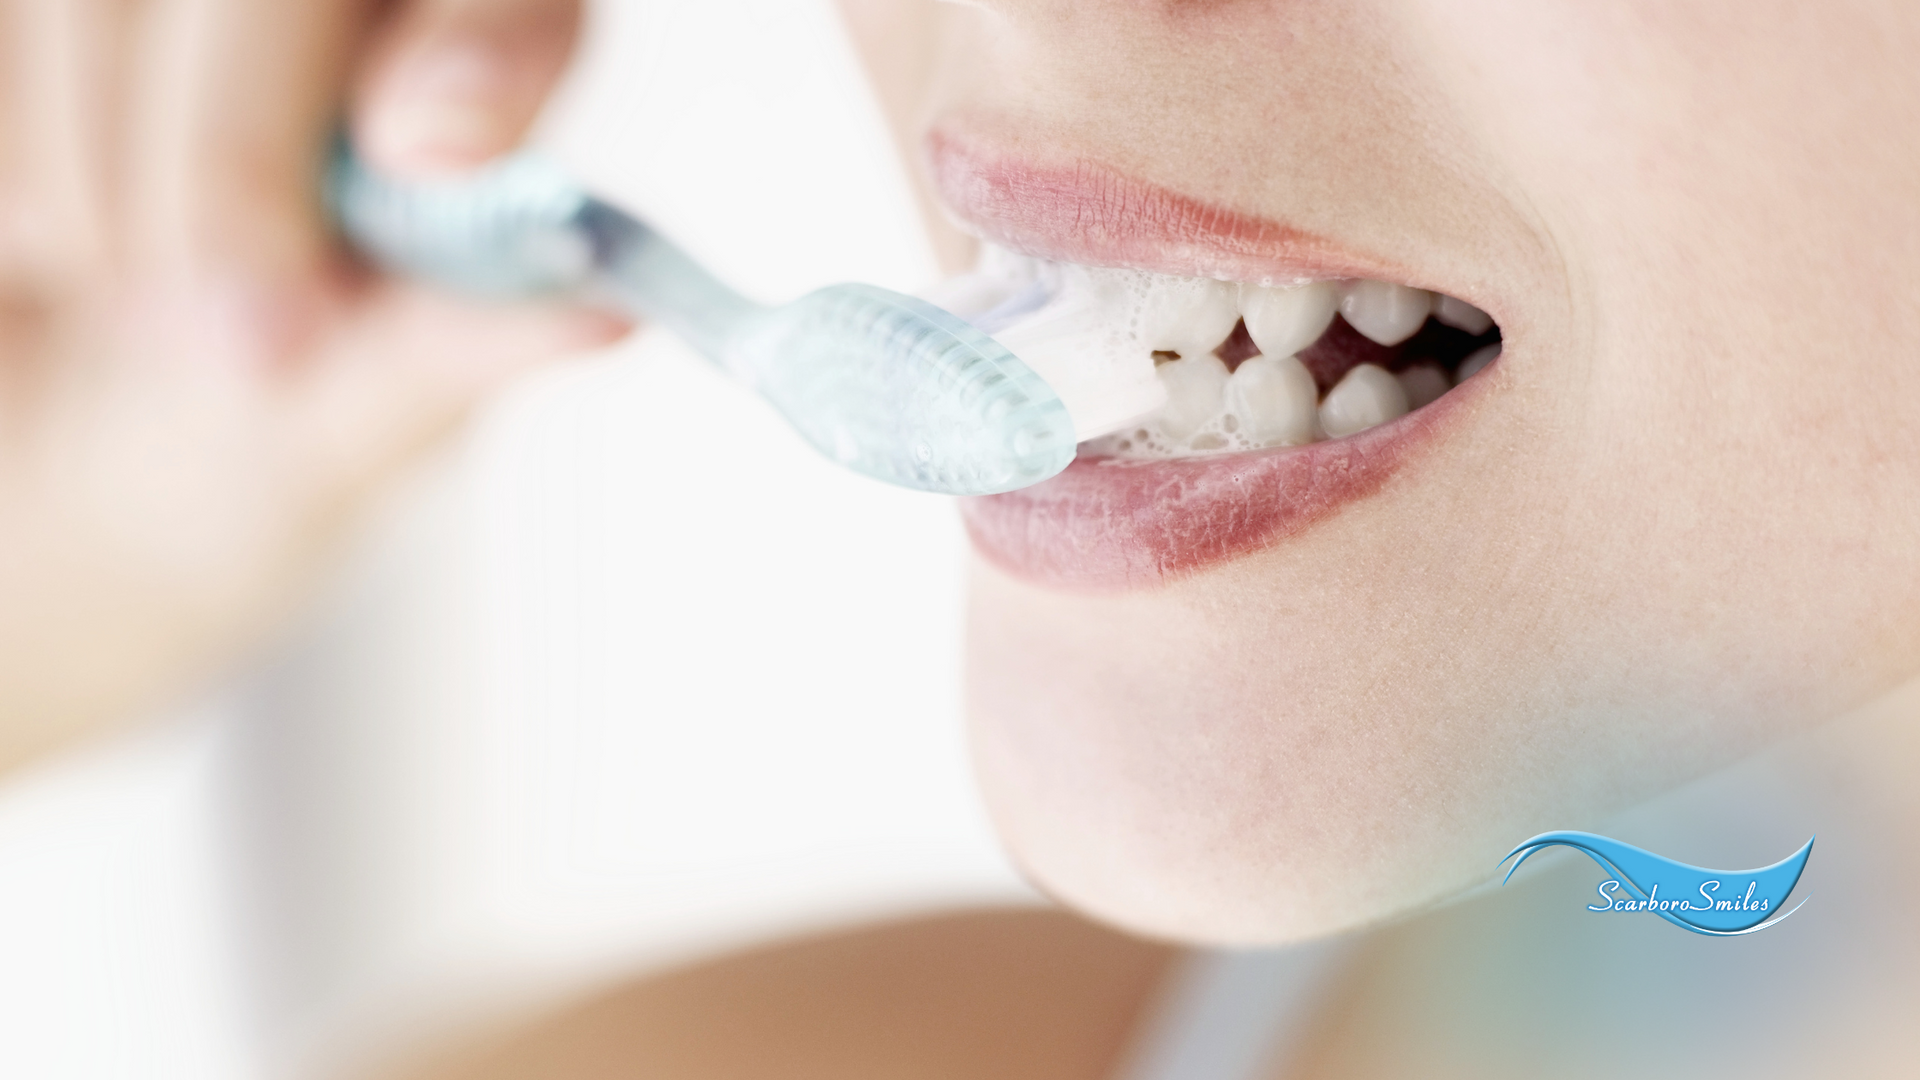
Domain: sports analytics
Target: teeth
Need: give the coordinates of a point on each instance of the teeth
(1474, 362)
(1386, 313)
(1274, 401)
(1189, 316)
(1367, 397)
(1461, 315)
(1423, 385)
(1194, 388)
(1101, 337)
(1284, 321)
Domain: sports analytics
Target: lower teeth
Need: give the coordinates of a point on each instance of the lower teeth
(1154, 366)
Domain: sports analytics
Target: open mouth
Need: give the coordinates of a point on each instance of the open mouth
(1232, 381)
(1156, 366)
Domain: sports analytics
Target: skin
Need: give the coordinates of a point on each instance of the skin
(1018, 995)
(1679, 525)
(199, 392)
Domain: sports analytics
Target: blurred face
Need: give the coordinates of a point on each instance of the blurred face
(1249, 689)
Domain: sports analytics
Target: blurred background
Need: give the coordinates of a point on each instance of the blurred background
(630, 676)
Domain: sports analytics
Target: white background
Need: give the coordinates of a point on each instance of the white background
(630, 676)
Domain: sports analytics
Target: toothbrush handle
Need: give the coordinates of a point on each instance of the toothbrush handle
(642, 273)
(522, 227)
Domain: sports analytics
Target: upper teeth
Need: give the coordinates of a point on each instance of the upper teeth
(1461, 315)
(1189, 316)
(1385, 312)
(1284, 321)
(1127, 349)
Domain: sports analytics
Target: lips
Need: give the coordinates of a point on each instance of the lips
(1087, 213)
(1107, 523)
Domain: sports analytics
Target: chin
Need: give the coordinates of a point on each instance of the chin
(1159, 774)
(1234, 757)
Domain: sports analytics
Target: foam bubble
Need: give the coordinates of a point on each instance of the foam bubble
(1223, 434)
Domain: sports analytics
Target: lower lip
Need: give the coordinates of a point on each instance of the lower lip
(1108, 524)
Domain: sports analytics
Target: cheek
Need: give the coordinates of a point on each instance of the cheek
(1701, 167)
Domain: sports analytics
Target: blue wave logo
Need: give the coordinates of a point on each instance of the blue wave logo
(1720, 903)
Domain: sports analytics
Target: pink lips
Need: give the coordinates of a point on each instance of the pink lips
(1087, 213)
(1107, 524)
(1111, 524)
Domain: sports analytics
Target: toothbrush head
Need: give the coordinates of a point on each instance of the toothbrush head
(903, 391)
(506, 229)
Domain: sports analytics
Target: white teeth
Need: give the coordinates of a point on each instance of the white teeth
(1189, 316)
(1284, 321)
(1461, 315)
(1386, 313)
(1194, 388)
(1473, 363)
(1096, 335)
(1367, 397)
(1274, 399)
(1424, 385)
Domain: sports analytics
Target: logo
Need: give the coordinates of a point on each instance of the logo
(1719, 903)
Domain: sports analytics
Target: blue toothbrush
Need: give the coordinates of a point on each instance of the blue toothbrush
(885, 384)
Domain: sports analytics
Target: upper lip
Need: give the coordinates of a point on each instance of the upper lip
(1109, 524)
(1081, 211)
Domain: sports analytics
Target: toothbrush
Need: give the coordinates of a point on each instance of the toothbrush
(888, 385)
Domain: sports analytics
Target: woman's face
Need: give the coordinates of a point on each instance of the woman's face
(1253, 698)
